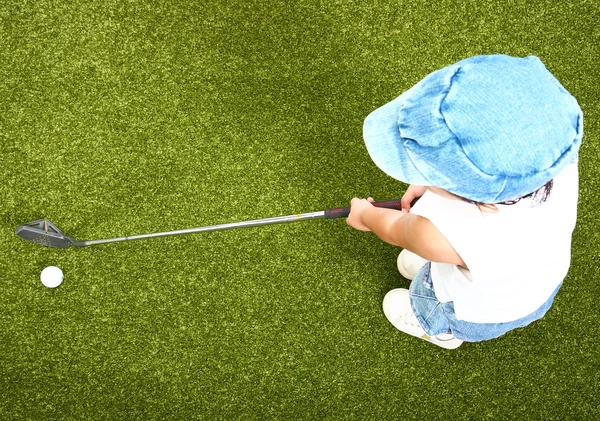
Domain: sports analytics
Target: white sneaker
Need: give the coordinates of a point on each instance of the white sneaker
(409, 264)
(397, 309)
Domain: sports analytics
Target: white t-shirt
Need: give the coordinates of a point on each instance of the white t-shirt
(516, 257)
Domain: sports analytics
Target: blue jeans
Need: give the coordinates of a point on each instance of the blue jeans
(438, 318)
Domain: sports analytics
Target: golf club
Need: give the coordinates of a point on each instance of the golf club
(45, 233)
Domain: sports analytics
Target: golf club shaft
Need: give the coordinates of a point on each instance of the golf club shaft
(342, 212)
(220, 227)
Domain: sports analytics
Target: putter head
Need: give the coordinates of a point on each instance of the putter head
(45, 233)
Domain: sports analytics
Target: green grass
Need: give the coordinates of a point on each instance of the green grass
(124, 117)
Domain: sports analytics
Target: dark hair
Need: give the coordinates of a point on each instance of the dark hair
(539, 196)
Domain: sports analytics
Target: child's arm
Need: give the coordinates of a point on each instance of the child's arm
(412, 232)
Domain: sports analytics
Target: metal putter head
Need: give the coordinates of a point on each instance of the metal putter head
(45, 233)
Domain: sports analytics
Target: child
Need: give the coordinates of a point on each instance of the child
(489, 145)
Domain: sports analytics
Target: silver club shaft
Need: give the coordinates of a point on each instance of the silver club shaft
(220, 227)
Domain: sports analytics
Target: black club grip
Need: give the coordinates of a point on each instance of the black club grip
(345, 211)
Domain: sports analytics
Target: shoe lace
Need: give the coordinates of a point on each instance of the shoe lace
(410, 318)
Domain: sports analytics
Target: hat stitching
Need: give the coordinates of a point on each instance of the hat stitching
(456, 138)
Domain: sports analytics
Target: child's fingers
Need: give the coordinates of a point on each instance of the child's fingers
(413, 192)
(407, 200)
(357, 207)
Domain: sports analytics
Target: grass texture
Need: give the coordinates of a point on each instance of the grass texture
(120, 117)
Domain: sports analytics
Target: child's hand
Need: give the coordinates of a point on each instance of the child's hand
(413, 192)
(358, 207)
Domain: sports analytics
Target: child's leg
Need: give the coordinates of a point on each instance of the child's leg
(398, 310)
(438, 318)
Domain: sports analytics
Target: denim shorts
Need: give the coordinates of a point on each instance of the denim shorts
(438, 318)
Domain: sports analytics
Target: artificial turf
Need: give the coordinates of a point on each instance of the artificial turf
(125, 117)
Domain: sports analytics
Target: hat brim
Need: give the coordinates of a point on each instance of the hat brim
(385, 145)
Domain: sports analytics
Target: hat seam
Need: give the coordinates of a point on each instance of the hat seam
(449, 86)
(465, 154)
(408, 154)
(454, 134)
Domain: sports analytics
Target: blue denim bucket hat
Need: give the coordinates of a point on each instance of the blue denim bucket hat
(488, 128)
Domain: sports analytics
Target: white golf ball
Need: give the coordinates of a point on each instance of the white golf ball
(52, 277)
